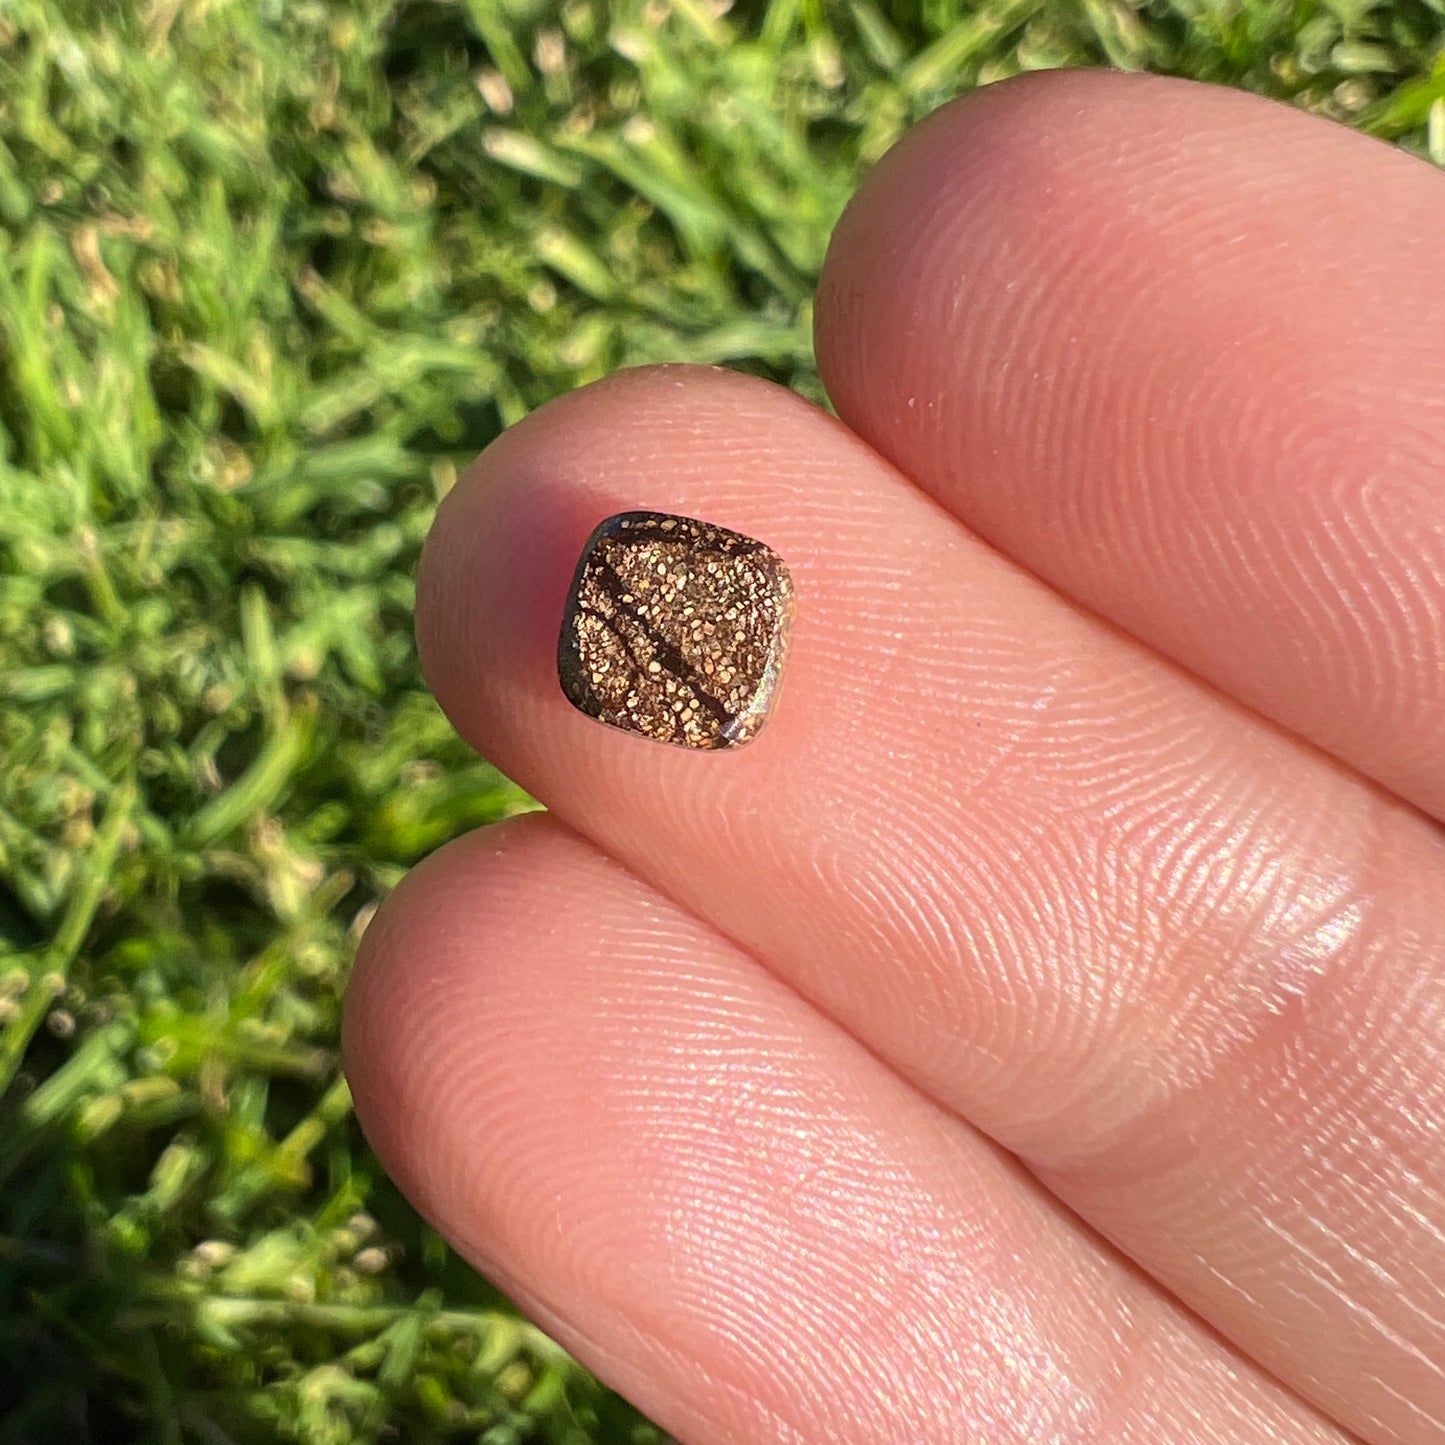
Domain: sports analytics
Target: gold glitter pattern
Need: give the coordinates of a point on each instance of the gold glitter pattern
(676, 629)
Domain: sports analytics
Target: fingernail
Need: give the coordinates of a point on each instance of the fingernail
(676, 630)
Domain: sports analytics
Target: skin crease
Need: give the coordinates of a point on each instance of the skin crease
(1188, 967)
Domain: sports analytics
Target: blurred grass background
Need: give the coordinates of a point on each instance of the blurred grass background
(270, 273)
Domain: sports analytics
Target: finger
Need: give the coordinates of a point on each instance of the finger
(1177, 350)
(725, 1205)
(1135, 934)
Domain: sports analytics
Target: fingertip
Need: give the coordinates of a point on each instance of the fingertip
(1000, 196)
(1173, 347)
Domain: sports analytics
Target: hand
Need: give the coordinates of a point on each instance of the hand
(1098, 822)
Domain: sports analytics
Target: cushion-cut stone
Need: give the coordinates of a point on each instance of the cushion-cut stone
(676, 629)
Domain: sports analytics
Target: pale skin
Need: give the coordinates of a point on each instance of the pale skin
(1038, 1033)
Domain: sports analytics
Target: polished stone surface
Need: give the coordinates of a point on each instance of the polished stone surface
(676, 629)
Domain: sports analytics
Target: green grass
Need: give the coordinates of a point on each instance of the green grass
(269, 274)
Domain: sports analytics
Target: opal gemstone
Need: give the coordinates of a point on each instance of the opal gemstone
(676, 629)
